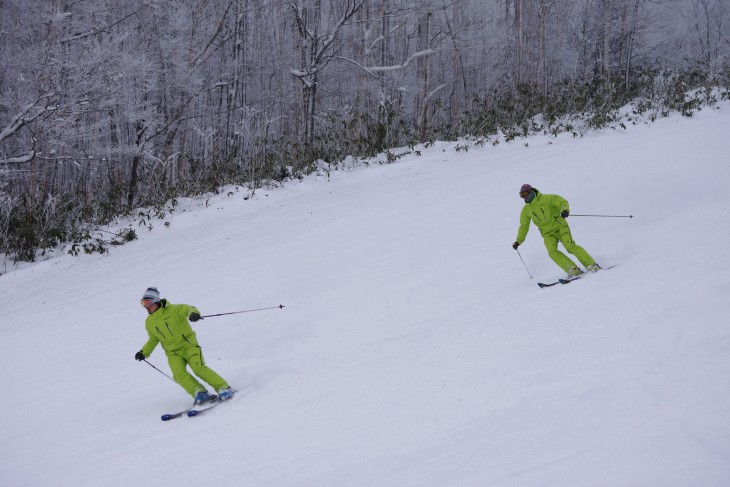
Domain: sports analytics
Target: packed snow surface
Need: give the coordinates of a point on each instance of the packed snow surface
(414, 348)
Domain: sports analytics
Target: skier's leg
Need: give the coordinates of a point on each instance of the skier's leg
(194, 356)
(567, 240)
(563, 261)
(182, 376)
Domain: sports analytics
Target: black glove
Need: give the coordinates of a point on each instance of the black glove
(564, 213)
(195, 317)
(515, 245)
(139, 356)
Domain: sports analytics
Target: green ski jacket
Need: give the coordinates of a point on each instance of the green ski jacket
(544, 210)
(169, 326)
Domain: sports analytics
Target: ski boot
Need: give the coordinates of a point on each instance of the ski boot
(225, 394)
(574, 272)
(202, 397)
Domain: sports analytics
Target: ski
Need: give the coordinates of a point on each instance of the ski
(575, 278)
(547, 284)
(567, 280)
(168, 417)
(197, 412)
(192, 413)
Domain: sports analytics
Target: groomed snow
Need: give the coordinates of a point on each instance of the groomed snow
(413, 349)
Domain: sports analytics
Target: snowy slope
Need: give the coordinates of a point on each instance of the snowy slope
(413, 349)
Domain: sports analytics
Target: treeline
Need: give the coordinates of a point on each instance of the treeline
(111, 106)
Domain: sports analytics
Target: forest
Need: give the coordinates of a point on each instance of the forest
(118, 108)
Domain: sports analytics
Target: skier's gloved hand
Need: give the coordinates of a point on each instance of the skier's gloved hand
(139, 356)
(195, 317)
(515, 245)
(564, 213)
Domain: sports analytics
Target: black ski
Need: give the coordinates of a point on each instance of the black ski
(168, 417)
(197, 412)
(192, 413)
(567, 280)
(580, 276)
(548, 284)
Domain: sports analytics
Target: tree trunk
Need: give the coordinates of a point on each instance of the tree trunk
(629, 50)
(131, 192)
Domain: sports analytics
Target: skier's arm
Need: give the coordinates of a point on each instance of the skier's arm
(149, 347)
(184, 312)
(559, 203)
(524, 226)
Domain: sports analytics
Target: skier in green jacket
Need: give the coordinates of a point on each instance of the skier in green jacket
(168, 324)
(548, 212)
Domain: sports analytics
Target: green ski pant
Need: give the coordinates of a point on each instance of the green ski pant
(563, 236)
(193, 356)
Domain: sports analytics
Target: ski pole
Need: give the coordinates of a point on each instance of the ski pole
(523, 263)
(281, 306)
(158, 370)
(607, 216)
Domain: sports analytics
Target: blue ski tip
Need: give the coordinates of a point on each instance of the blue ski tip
(166, 417)
(192, 413)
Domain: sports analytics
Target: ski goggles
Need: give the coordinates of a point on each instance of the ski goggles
(525, 194)
(146, 302)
